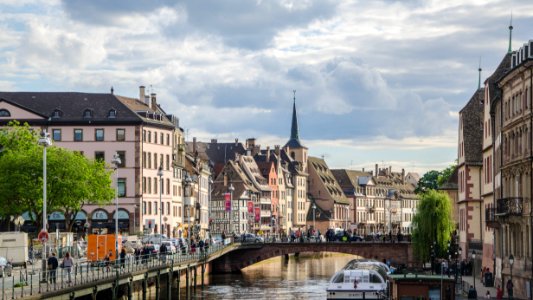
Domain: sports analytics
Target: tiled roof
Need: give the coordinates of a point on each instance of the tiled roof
(328, 180)
(72, 106)
(472, 126)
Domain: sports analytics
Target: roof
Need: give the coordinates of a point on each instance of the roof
(492, 81)
(72, 105)
(327, 179)
(217, 153)
(472, 126)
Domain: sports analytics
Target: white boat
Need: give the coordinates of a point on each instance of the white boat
(368, 282)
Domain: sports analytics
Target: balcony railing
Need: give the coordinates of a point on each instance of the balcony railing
(490, 217)
(512, 206)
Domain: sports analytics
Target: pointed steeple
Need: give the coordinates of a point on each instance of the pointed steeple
(510, 35)
(294, 141)
(294, 126)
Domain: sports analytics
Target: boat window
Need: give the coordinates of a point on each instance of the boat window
(375, 278)
(338, 278)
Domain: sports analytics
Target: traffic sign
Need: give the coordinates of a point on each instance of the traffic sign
(43, 236)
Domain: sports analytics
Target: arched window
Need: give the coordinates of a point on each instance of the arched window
(99, 214)
(4, 113)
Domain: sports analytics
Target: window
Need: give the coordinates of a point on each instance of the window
(155, 160)
(149, 208)
(144, 208)
(155, 137)
(155, 185)
(149, 136)
(56, 135)
(87, 114)
(122, 155)
(144, 184)
(56, 114)
(161, 138)
(99, 155)
(144, 135)
(121, 134)
(78, 135)
(4, 113)
(121, 187)
(168, 208)
(99, 135)
(168, 162)
(168, 139)
(112, 114)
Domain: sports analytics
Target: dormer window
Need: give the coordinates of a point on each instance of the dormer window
(56, 114)
(112, 114)
(4, 113)
(87, 114)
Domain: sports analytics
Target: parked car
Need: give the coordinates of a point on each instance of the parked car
(6, 269)
(250, 237)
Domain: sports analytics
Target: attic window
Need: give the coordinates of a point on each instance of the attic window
(87, 114)
(56, 114)
(4, 113)
(112, 114)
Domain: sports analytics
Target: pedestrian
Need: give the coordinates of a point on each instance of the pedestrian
(163, 252)
(472, 293)
(123, 257)
(509, 287)
(67, 265)
(52, 267)
(499, 293)
(487, 295)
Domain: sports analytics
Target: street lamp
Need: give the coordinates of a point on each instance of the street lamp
(116, 161)
(474, 269)
(187, 195)
(511, 262)
(314, 214)
(231, 189)
(44, 141)
(160, 174)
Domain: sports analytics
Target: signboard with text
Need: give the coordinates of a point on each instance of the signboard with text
(227, 200)
(250, 207)
(257, 214)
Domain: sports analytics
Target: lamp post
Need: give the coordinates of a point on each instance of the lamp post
(210, 181)
(116, 161)
(511, 262)
(460, 252)
(160, 174)
(314, 214)
(474, 268)
(231, 189)
(44, 141)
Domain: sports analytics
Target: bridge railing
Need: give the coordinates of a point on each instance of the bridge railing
(28, 283)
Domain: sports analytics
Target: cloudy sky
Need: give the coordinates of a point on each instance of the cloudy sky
(376, 81)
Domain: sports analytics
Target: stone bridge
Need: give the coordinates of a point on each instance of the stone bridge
(248, 254)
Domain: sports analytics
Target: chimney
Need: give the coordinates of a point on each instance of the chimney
(236, 142)
(268, 154)
(147, 100)
(403, 176)
(194, 144)
(390, 171)
(141, 93)
(250, 143)
(363, 170)
(256, 149)
(225, 179)
(276, 150)
(154, 102)
(377, 170)
(213, 141)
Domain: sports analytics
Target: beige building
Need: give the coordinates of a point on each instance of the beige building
(513, 112)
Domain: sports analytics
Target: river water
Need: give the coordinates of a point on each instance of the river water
(303, 277)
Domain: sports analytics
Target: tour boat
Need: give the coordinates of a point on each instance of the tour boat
(367, 281)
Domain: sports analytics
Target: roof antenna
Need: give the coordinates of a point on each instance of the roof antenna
(510, 34)
(479, 74)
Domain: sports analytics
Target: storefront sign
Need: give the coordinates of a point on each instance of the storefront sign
(227, 198)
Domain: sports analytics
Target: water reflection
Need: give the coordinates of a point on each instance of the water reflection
(305, 277)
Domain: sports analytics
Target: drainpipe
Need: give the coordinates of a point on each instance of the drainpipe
(531, 178)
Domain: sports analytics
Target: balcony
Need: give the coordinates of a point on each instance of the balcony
(512, 206)
(490, 218)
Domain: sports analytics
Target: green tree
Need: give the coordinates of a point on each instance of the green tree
(428, 182)
(432, 224)
(72, 179)
(445, 174)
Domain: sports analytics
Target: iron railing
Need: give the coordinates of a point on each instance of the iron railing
(512, 206)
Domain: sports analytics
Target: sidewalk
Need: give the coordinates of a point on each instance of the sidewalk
(481, 290)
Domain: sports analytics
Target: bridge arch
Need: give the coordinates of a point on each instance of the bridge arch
(248, 254)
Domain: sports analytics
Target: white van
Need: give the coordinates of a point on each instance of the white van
(14, 247)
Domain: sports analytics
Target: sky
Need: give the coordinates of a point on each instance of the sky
(376, 81)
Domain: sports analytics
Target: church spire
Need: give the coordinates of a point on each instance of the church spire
(510, 35)
(294, 141)
(294, 126)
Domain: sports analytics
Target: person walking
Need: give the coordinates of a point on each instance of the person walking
(487, 295)
(509, 288)
(53, 263)
(67, 265)
(472, 293)
(123, 257)
(499, 293)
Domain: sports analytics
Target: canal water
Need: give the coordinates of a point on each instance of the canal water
(303, 277)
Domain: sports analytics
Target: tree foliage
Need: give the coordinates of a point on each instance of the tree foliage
(433, 179)
(72, 179)
(432, 222)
